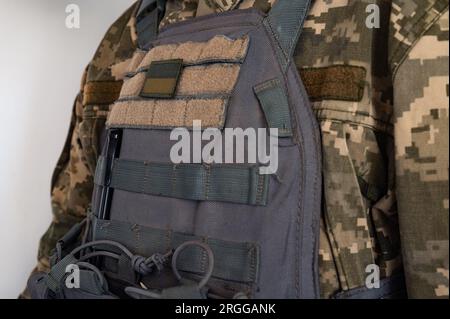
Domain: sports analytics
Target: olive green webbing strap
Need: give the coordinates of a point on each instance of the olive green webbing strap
(241, 184)
(275, 105)
(286, 19)
(233, 261)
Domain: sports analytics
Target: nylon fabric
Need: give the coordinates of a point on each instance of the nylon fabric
(229, 183)
(233, 260)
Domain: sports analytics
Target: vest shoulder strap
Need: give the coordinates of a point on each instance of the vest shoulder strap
(286, 19)
(148, 16)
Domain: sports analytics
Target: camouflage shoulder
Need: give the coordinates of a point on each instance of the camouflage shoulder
(118, 45)
(410, 20)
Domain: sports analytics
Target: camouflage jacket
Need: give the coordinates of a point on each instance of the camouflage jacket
(381, 97)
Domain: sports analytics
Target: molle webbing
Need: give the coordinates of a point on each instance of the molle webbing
(233, 261)
(241, 184)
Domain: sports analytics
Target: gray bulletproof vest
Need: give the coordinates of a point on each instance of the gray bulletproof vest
(226, 228)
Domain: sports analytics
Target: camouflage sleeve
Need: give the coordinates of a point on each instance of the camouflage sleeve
(72, 181)
(70, 189)
(422, 148)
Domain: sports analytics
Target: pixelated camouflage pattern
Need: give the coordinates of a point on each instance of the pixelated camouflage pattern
(360, 219)
(409, 21)
(177, 10)
(360, 191)
(422, 161)
(360, 214)
(328, 275)
(116, 47)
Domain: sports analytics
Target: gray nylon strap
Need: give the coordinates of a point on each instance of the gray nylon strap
(286, 19)
(240, 184)
(147, 28)
(275, 105)
(72, 235)
(232, 260)
(144, 6)
(89, 282)
(53, 280)
(149, 14)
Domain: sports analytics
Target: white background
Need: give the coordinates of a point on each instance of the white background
(41, 63)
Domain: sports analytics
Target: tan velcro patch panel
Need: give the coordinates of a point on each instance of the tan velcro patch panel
(136, 60)
(219, 48)
(166, 114)
(133, 86)
(209, 73)
(209, 79)
(340, 82)
(101, 92)
(196, 80)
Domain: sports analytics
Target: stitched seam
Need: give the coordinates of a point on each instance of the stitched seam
(202, 62)
(413, 45)
(364, 114)
(413, 32)
(299, 230)
(372, 127)
(206, 96)
(208, 175)
(197, 65)
(316, 221)
(280, 49)
(251, 276)
(273, 43)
